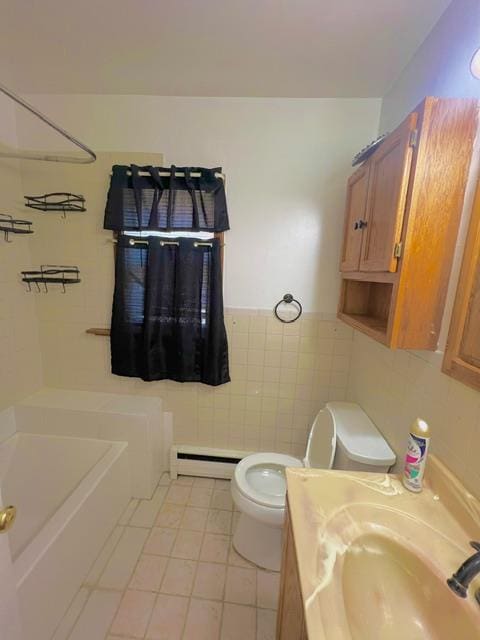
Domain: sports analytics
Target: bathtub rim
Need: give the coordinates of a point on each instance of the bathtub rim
(40, 544)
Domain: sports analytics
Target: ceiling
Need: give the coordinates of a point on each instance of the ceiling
(297, 48)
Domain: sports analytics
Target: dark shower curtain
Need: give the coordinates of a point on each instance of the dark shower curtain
(167, 320)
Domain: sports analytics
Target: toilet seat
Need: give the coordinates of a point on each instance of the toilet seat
(259, 485)
(260, 477)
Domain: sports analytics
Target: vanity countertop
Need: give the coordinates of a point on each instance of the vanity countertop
(362, 539)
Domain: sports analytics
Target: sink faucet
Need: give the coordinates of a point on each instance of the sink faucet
(460, 580)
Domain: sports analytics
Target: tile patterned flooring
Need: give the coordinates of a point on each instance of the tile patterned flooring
(169, 572)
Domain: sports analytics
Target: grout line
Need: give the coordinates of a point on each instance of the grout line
(184, 626)
(227, 564)
(136, 565)
(151, 613)
(193, 586)
(69, 633)
(95, 584)
(224, 590)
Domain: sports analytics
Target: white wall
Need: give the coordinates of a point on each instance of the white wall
(286, 162)
(396, 387)
(20, 359)
(440, 67)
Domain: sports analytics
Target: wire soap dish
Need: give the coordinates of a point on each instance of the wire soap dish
(57, 201)
(9, 224)
(51, 274)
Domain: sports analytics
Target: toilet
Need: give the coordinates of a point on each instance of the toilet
(342, 437)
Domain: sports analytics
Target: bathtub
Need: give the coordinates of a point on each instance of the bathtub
(69, 493)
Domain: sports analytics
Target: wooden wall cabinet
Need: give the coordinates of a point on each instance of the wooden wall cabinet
(462, 355)
(290, 616)
(403, 209)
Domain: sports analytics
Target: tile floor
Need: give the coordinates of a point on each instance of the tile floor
(169, 572)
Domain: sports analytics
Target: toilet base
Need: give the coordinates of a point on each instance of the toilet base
(259, 543)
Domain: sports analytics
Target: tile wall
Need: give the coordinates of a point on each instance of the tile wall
(20, 357)
(395, 387)
(281, 376)
(281, 373)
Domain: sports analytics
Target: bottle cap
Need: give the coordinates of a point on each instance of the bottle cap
(420, 428)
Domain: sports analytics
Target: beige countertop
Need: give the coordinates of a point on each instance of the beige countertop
(373, 557)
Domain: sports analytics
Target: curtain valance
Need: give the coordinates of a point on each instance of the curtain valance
(159, 199)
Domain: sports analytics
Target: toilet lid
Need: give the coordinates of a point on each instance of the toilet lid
(261, 477)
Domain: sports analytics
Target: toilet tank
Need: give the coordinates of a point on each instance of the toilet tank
(360, 446)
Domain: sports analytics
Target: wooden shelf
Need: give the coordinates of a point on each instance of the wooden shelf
(365, 305)
(370, 276)
(374, 327)
(98, 331)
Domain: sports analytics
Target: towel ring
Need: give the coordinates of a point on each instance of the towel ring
(288, 298)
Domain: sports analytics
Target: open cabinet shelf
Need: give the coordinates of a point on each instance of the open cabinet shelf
(366, 306)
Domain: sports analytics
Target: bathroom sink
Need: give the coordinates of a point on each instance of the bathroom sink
(410, 601)
(373, 559)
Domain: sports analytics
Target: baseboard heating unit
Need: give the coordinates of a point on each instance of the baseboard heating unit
(204, 461)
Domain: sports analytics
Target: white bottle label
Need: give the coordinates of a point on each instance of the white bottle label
(415, 460)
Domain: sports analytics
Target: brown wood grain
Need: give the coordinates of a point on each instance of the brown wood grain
(427, 226)
(462, 354)
(98, 331)
(355, 210)
(470, 344)
(290, 615)
(366, 306)
(371, 276)
(387, 192)
(434, 208)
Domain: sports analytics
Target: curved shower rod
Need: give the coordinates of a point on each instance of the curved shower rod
(41, 156)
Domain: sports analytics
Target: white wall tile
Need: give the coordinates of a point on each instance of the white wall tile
(262, 350)
(395, 387)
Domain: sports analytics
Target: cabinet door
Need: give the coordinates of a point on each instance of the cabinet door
(357, 188)
(462, 355)
(290, 616)
(387, 194)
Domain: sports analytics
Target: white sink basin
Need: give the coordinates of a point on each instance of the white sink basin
(407, 596)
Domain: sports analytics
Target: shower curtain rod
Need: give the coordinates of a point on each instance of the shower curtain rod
(40, 156)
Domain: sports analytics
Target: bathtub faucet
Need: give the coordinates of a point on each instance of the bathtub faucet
(460, 580)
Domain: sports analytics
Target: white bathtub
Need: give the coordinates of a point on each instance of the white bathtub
(69, 493)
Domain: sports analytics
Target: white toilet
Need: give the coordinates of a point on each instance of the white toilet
(342, 436)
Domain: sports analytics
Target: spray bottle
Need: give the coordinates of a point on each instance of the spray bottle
(416, 456)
